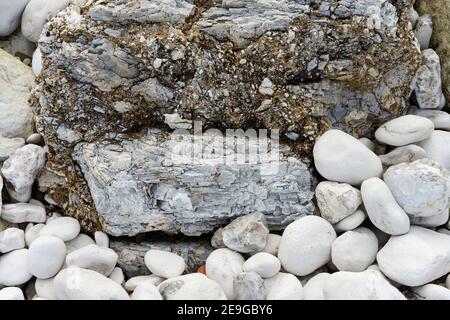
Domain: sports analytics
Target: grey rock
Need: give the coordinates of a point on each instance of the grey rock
(217, 239)
(424, 30)
(249, 286)
(428, 88)
(403, 154)
(414, 18)
(246, 234)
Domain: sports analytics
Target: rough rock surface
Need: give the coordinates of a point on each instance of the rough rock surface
(117, 66)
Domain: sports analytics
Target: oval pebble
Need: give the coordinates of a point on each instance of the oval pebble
(264, 264)
(284, 286)
(132, 283)
(32, 232)
(194, 286)
(431, 292)
(164, 264)
(46, 256)
(14, 268)
(146, 291)
(313, 289)
(404, 130)
(65, 228)
(45, 288)
(12, 239)
(351, 222)
(82, 240)
(11, 293)
(93, 257)
(437, 148)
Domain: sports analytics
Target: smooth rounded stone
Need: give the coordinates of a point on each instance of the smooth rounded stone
(117, 275)
(21, 169)
(146, 291)
(368, 143)
(164, 264)
(351, 222)
(249, 286)
(404, 130)
(283, 286)
(65, 228)
(35, 138)
(424, 30)
(45, 288)
(93, 257)
(340, 157)
(421, 188)
(10, 14)
(76, 283)
(382, 209)
(403, 154)
(101, 239)
(14, 268)
(247, 233)
(440, 118)
(12, 239)
(313, 289)
(337, 201)
(431, 292)
(82, 240)
(366, 285)
(221, 266)
(36, 15)
(414, 18)
(11, 293)
(272, 244)
(354, 250)
(264, 264)
(306, 245)
(32, 232)
(428, 85)
(194, 286)
(36, 64)
(46, 256)
(416, 258)
(437, 148)
(23, 212)
(8, 146)
(431, 222)
(217, 239)
(132, 283)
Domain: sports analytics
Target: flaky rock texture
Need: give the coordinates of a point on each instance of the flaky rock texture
(115, 67)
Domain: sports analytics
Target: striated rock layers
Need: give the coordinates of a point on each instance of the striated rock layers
(113, 68)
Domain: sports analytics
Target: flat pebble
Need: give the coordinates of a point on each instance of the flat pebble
(14, 268)
(46, 256)
(23, 212)
(65, 228)
(382, 209)
(164, 264)
(342, 158)
(264, 264)
(132, 283)
(32, 232)
(146, 291)
(284, 286)
(431, 292)
(306, 245)
(93, 257)
(351, 222)
(249, 286)
(404, 130)
(12, 239)
(438, 148)
(194, 286)
(10, 14)
(101, 239)
(403, 154)
(11, 293)
(313, 289)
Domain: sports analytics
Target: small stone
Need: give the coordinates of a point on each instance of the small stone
(437, 148)
(354, 250)
(424, 30)
(382, 209)
(14, 268)
(264, 264)
(21, 169)
(351, 222)
(32, 232)
(337, 201)
(272, 244)
(440, 119)
(249, 286)
(416, 258)
(340, 157)
(306, 245)
(221, 266)
(8, 146)
(366, 285)
(421, 188)
(164, 264)
(79, 242)
(46, 256)
(75, 283)
(217, 239)
(101, 239)
(194, 286)
(266, 87)
(11, 239)
(45, 289)
(23, 212)
(247, 233)
(405, 130)
(146, 291)
(403, 154)
(10, 14)
(65, 228)
(35, 138)
(368, 143)
(313, 289)
(431, 292)
(132, 283)
(284, 286)
(11, 293)
(93, 257)
(36, 64)
(117, 275)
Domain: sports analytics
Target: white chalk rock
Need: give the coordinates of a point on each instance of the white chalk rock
(194, 286)
(351, 222)
(440, 119)
(368, 143)
(164, 264)
(75, 283)
(21, 169)
(10, 14)
(382, 209)
(93, 257)
(221, 266)
(424, 30)
(431, 292)
(146, 291)
(14, 268)
(45, 288)
(36, 15)
(23, 212)
(101, 239)
(11, 293)
(46, 256)
(437, 148)
(342, 158)
(409, 153)
(306, 245)
(272, 244)
(65, 228)
(405, 130)
(416, 258)
(421, 188)
(354, 250)
(284, 286)
(12, 239)
(36, 63)
(82, 240)
(264, 264)
(366, 285)
(8, 146)
(132, 283)
(117, 275)
(337, 201)
(32, 232)
(313, 289)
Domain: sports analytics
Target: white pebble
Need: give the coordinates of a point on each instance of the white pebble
(14, 268)
(93, 257)
(164, 264)
(264, 264)
(146, 291)
(438, 148)
(101, 239)
(132, 283)
(46, 256)
(11, 293)
(405, 130)
(284, 286)
(399, 155)
(313, 289)
(424, 30)
(32, 232)
(12, 239)
(272, 244)
(23, 212)
(82, 240)
(10, 14)
(65, 228)
(431, 292)
(194, 286)
(351, 222)
(440, 119)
